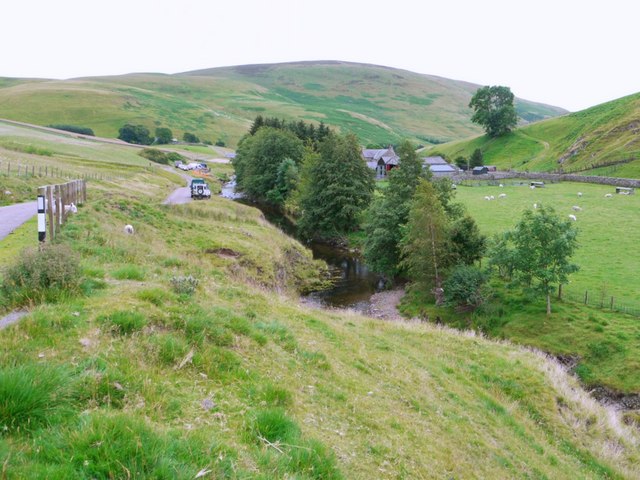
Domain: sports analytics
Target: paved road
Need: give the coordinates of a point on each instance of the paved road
(179, 195)
(13, 216)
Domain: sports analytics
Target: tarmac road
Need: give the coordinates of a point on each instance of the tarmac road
(12, 216)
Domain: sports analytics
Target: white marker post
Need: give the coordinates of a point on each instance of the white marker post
(42, 225)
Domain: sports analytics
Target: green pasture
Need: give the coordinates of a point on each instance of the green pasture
(609, 230)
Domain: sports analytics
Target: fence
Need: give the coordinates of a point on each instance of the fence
(601, 300)
(55, 202)
(21, 170)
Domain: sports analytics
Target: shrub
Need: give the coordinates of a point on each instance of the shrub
(73, 129)
(184, 285)
(220, 143)
(33, 396)
(466, 287)
(190, 138)
(124, 322)
(47, 274)
(158, 156)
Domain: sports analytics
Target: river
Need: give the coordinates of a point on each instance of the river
(353, 283)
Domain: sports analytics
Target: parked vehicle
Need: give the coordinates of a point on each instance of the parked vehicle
(178, 164)
(200, 189)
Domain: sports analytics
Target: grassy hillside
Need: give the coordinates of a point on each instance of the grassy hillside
(379, 104)
(602, 140)
(238, 380)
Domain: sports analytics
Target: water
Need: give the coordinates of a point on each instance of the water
(353, 282)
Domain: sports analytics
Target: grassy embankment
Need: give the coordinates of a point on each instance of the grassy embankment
(380, 105)
(607, 343)
(601, 140)
(133, 379)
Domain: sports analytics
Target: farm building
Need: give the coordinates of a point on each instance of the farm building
(381, 160)
(439, 166)
(480, 170)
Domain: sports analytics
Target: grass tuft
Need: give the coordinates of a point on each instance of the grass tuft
(124, 322)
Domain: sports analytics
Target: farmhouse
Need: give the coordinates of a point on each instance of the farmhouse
(439, 166)
(381, 160)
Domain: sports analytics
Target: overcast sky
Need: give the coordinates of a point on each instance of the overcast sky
(569, 53)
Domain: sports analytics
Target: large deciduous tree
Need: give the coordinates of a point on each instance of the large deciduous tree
(538, 251)
(390, 211)
(494, 110)
(338, 188)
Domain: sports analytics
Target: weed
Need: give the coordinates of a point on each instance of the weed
(170, 348)
(184, 285)
(124, 322)
(128, 272)
(33, 396)
(155, 296)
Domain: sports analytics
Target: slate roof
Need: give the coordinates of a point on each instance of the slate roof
(434, 160)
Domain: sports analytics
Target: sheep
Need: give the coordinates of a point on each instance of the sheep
(128, 229)
(487, 198)
(492, 197)
(502, 195)
(532, 187)
(535, 206)
(579, 194)
(572, 217)
(577, 208)
(608, 195)
(501, 185)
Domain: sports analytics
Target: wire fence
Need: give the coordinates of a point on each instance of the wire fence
(21, 170)
(601, 300)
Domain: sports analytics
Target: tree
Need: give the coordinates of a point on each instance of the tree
(476, 159)
(258, 160)
(425, 243)
(138, 134)
(390, 211)
(542, 245)
(494, 110)
(462, 163)
(163, 135)
(466, 287)
(468, 245)
(339, 187)
(190, 138)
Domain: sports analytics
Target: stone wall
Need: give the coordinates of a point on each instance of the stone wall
(553, 178)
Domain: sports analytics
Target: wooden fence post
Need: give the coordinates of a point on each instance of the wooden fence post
(586, 297)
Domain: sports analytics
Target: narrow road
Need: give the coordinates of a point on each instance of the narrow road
(13, 216)
(181, 194)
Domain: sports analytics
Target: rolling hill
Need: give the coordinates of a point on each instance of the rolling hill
(379, 104)
(601, 140)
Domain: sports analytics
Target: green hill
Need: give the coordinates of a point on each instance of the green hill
(134, 378)
(602, 140)
(379, 104)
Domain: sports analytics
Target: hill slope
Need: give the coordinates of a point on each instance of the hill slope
(602, 140)
(379, 104)
(241, 381)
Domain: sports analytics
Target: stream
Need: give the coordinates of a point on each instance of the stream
(353, 283)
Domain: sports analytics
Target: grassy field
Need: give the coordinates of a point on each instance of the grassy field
(601, 140)
(379, 104)
(239, 380)
(606, 343)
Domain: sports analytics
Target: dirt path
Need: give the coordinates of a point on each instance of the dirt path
(12, 216)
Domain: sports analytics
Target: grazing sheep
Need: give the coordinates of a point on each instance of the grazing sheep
(579, 194)
(501, 185)
(572, 217)
(502, 195)
(535, 206)
(128, 229)
(487, 198)
(492, 197)
(532, 187)
(608, 195)
(577, 208)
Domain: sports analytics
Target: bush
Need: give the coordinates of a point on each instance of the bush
(138, 134)
(190, 138)
(47, 274)
(33, 396)
(73, 129)
(124, 322)
(158, 156)
(220, 143)
(184, 285)
(466, 287)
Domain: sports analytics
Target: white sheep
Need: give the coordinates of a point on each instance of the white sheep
(502, 195)
(487, 198)
(501, 185)
(535, 206)
(579, 194)
(128, 229)
(608, 195)
(572, 217)
(532, 187)
(577, 208)
(492, 197)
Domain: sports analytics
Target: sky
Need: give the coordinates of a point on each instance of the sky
(568, 53)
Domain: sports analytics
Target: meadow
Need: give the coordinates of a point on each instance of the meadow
(608, 230)
(239, 380)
